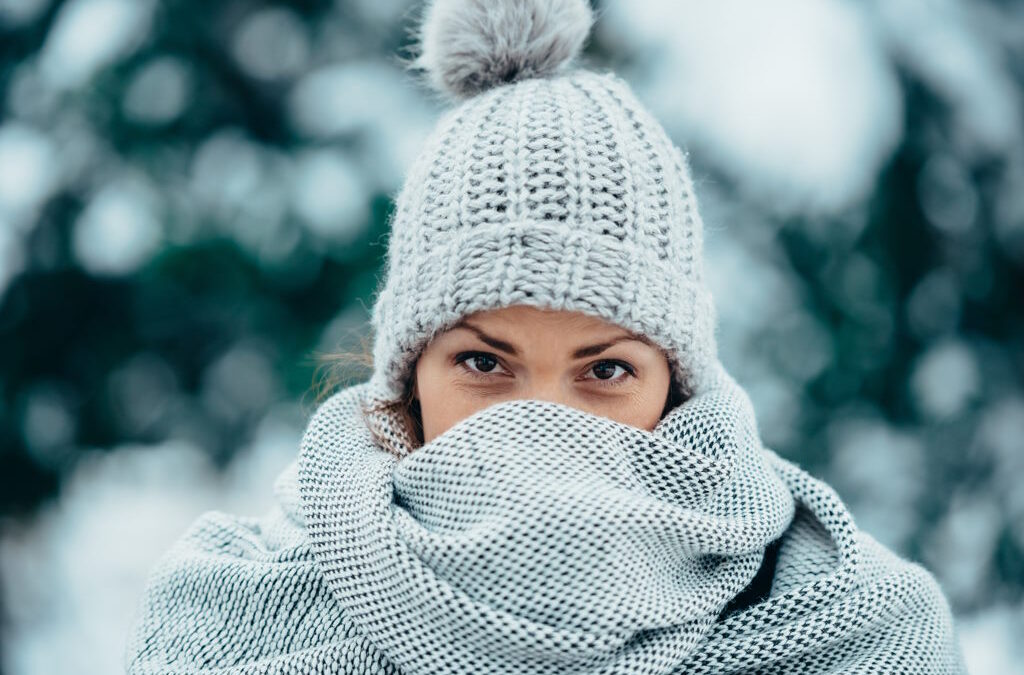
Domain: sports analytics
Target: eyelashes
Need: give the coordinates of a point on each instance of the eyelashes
(488, 367)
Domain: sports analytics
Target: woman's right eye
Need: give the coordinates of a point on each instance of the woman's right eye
(478, 362)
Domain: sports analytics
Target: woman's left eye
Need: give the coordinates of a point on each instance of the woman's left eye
(609, 371)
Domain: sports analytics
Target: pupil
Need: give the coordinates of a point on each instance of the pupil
(485, 363)
(604, 370)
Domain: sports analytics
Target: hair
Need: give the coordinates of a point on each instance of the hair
(345, 366)
(348, 365)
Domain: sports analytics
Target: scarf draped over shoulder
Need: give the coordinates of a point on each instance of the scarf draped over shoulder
(532, 537)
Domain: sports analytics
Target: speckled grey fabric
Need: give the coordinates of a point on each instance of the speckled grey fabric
(536, 538)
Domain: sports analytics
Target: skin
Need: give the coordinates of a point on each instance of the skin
(523, 352)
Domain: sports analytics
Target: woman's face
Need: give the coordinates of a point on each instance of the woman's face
(524, 352)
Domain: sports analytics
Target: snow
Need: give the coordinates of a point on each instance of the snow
(159, 92)
(271, 44)
(28, 171)
(119, 230)
(72, 577)
(329, 195)
(945, 379)
(794, 99)
(88, 35)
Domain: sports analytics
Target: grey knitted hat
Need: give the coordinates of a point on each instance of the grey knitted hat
(544, 184)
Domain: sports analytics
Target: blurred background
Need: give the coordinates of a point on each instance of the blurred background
(194, 199)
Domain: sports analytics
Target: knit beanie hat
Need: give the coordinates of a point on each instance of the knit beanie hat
(544, 184)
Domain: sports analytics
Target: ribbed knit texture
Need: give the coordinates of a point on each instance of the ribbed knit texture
(561, 192)
(536, 538)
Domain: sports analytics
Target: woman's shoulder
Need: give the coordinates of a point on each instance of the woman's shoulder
(278, 535)
(852, 597)
(238, 593)
(823, 542)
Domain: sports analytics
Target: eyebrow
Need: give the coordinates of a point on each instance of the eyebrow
(589, 350)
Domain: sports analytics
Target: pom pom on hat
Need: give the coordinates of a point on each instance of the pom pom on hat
(468, 46)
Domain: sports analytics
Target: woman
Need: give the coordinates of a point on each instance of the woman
(549, 470)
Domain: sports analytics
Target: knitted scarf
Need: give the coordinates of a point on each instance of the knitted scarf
(533, 537)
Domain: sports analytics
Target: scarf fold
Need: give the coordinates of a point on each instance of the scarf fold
(532, 537)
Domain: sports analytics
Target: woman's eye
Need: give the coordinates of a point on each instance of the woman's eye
(609, 371)
(479, 363)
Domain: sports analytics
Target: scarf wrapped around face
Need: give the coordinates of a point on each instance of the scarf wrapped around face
(532, 537)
